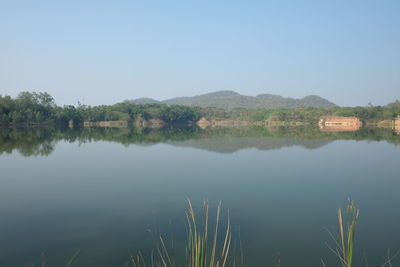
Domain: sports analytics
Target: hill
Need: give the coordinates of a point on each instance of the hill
(231, 100)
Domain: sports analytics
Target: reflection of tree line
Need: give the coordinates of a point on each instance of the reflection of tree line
(32, 141)
(228, 140)
(27, 141)
(41, 141)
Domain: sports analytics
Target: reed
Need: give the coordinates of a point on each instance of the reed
(344, 245)
(204, 246)
(198, 254)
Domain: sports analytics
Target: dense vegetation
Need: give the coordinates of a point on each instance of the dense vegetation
(306, 115)
(40, 108)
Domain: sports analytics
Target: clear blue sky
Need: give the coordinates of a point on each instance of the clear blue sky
(102, 52)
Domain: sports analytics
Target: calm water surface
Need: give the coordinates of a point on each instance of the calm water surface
(103, 190)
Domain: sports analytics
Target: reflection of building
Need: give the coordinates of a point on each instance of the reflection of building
(339, 123)
(203, 123)
(116, 124)
(397, 124)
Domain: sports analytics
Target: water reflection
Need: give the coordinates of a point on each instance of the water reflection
(103, 198)
(41, 141)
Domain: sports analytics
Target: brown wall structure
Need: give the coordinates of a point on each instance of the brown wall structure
(339, 123)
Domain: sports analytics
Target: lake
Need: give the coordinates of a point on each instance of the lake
(109, 192)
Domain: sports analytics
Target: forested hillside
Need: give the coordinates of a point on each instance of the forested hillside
(231, 100)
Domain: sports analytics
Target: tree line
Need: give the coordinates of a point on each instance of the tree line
(307, 115)
(40, 108)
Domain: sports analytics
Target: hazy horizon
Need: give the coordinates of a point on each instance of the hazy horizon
(102, 53)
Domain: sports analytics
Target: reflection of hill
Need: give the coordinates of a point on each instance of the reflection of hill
(230, 144)
(41, 141)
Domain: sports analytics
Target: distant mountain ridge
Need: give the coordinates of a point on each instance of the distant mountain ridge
(232, 99)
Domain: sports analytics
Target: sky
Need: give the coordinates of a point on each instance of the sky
(103, 52)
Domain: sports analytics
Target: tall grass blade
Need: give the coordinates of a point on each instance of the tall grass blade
(345, 247)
